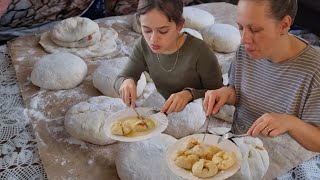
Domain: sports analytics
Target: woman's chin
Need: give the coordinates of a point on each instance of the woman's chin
(254, 55)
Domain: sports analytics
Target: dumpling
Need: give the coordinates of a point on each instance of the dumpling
(121, 128)
(204, 169)
(186, 161)
(190, 143)
(140, 126)
(197, 150)
(224, 160)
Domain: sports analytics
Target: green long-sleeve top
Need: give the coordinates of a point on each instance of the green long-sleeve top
(196, 69)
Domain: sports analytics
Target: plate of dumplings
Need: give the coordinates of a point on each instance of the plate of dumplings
(192, 159)
(126, 126)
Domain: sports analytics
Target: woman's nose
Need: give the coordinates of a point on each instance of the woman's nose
(246, 37)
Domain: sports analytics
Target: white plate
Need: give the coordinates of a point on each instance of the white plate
(210, 139)
(160, 119)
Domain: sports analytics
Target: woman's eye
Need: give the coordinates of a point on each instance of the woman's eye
(147, 32)
(163, 32)
(254, 30)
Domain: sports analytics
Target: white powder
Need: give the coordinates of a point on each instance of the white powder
(90, 162)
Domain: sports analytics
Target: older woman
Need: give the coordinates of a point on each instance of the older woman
(275, 79)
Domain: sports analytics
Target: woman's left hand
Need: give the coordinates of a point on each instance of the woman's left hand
(177, 102)
(272, 124)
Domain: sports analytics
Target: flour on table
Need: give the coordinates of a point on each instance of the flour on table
(86, 120)
(59, 71)
(197, 18)
(145, 159)
(105, 46)
(222, 37)
(188, 121)
(76, 32)
(105, 75)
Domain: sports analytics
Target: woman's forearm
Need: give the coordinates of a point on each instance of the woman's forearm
(306, 134)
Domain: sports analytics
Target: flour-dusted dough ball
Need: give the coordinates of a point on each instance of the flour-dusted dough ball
(192, 32)
(186, 122)
(86, 119)
(105, 75)
(106, 46)
(145, 159)
(59, 71)
(222, 37)
(197, 18)
(76, 32)
(135, 26)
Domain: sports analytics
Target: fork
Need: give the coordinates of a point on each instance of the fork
(139, 116)
(230, 135)
(151, 112)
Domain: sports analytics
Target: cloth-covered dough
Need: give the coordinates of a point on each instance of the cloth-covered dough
(76, 32)
(105, 75)
(255, 159)
(186, 122)
(222, 37)
(193, 32)
(197, 18)
(58, 71)
(85, 120)
(145, 159)
(104, 47)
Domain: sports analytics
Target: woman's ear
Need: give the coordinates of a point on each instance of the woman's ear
(285, 24)
(180, 25)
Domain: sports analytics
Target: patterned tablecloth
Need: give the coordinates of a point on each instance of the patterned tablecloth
(18, 152)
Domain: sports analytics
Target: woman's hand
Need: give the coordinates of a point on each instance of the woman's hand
(128, 92)
(177, 102)
(272, 124)
(215, 99)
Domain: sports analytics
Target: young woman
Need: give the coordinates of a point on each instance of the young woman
(275, 79)
(181, 66)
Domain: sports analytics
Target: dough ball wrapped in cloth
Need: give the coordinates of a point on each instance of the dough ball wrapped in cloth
(76, 32)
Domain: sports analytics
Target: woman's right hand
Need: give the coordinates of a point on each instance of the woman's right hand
(215, 99)
(128, 92)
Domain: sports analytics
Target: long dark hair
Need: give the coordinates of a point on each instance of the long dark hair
(173, 9)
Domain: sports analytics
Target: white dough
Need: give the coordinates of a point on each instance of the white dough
(145, 160)
(188, 121)
(105, 46)
(222, 37)
(197, 18)
(58, 71)
(105, 75)
(192, 32)
(86, 119)
(74, 29)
